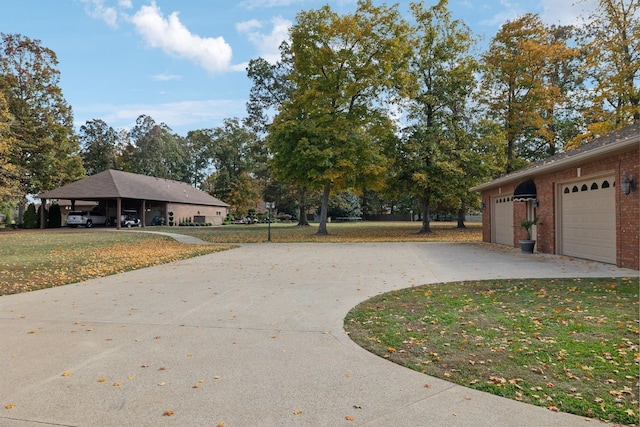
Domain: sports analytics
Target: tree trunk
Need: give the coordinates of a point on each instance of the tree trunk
(322, 228)
(302, 221)
(21, 209)
(365, 209)
(461, 213)
(426, 228)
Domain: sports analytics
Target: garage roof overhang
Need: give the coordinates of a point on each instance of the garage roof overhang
(569, 159)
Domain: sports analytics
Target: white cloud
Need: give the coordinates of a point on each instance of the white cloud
(163, 77)
(177, 115)
(253, 4)
(567, 13)
(97, 10)
(556, 12)
(170, 35)
(267, 45)
(125, 4)
(247, 26)
(508, 12)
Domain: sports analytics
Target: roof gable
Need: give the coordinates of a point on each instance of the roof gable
(111, 184)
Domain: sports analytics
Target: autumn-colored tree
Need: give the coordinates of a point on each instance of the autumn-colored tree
(520, 86)
(100, 146)
(345, 69)
(243, 195)
(611, 45)
(564, 120)
(8, 171)
(45, 149)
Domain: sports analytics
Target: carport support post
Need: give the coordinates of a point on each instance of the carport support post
(43, 206)
(143, 207)
(118, 212)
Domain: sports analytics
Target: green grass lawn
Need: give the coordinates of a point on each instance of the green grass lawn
(569, 345)
(338, 232)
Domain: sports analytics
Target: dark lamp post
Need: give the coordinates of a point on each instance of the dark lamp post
(269, 206)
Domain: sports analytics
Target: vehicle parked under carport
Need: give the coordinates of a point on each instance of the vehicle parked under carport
(87, 218)
(130, 218)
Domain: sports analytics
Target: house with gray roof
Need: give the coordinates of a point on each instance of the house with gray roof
(586, 201)
(152, 198)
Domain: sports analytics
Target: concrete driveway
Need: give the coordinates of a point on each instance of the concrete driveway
(248, 337)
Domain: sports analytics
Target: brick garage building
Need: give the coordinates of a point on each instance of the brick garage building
(586, 200)
(150, 197)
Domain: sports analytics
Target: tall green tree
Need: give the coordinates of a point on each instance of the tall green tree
(346, 69)
(153, 150)
(46, 150)
(236, 154)
(272, 86)
(100, 146)
(430, 158)
(197, 159)
(611, 45)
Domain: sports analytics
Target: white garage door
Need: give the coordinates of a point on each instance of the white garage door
(588, 222)
(502, 224)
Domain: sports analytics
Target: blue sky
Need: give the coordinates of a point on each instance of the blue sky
(182, 62)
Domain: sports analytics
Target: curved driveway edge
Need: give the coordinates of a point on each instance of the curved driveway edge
(249, 337)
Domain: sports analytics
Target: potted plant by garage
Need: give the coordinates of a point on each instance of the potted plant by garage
(526, 245)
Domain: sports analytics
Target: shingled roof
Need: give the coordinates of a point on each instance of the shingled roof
(112, 184)
(622, 140)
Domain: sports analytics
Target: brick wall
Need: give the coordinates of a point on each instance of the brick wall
(627, 207)
(628, 214)
(213, 214)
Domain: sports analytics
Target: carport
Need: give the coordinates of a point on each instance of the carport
(124, 190)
